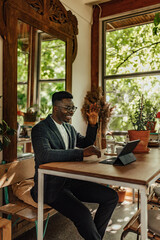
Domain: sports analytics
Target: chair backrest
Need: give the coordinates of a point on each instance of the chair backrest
(16, 171)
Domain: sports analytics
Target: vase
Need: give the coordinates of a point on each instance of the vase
(142, 146)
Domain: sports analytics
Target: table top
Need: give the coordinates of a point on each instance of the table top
(142, 171)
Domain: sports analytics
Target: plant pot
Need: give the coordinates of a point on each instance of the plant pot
(121, 195)
(30, 117)
(142, 146)
(151, 126)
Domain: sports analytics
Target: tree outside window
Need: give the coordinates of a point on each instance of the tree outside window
(131, 68)
(52, 55)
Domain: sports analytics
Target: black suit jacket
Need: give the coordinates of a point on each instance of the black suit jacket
(49, 146)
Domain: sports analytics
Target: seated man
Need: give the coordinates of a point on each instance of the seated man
(55, 140)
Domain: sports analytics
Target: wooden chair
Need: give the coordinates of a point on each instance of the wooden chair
(23, 215)
(5, 229)
(134, 225)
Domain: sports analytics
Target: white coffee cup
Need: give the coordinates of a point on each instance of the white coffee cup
(118, 150)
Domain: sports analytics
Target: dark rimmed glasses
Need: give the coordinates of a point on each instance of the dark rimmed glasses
(68, 109)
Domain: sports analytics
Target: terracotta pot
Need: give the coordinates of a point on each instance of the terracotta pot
(121, 195)
(30, 117)
(151, 126)
(142, 146)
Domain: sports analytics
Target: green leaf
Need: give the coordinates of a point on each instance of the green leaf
(6, 141)
(1, 146)
(11, 131)
(155, 30)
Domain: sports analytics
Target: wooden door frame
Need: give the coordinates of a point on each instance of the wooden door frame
(48, 16)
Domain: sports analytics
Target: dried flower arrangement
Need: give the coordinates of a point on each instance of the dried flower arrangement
(105, 110)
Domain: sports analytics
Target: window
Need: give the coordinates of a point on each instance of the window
(131, 65)
(51, 70)
(23, 49)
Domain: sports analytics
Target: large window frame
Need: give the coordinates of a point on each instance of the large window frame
(48, 80)
(106, 77)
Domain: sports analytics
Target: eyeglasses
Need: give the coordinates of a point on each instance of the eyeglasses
(69, 109)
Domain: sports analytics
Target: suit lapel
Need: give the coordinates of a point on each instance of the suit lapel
(55, 129)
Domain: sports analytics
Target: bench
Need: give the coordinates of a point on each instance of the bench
(22, 213)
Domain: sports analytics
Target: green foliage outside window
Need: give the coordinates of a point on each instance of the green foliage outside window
(52, 59)
(52, 67)
(131, 50)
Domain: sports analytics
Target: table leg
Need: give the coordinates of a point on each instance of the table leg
(144, 214)
(40, 203)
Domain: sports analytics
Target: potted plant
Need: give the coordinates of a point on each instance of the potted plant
(31, 114)
(44, 110)
(121, 193)
(5, 133)
(105, 113)
(139, 120)
(151, 111)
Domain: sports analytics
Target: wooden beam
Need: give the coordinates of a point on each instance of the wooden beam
(120, 6)
(10, 83)
(95, 49)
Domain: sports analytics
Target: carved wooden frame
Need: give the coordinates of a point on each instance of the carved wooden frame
(49, 16)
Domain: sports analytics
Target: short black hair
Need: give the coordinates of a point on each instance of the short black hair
(58, 96)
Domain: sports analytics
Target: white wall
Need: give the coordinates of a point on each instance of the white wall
(81, 80)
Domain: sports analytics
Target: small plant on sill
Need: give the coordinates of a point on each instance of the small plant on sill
(138, 117)
(5, 133)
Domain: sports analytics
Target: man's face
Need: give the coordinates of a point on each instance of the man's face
(64, 110)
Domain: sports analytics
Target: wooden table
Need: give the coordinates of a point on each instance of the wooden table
(139, 175)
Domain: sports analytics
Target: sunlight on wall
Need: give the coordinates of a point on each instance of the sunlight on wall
(81, 77)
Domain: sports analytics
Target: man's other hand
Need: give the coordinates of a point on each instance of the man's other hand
(91, 150)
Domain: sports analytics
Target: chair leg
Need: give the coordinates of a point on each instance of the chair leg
(124, 233)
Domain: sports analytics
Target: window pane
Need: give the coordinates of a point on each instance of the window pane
(22, 51)
(22, 66)
(46, 91)
(52, 59)
(125, 92)
(132, 49)
(22, 97)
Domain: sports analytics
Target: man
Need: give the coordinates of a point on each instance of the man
(55, 140)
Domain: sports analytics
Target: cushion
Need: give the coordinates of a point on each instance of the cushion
(22, 191)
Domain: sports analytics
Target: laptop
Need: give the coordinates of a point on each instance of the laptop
(125, 157)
